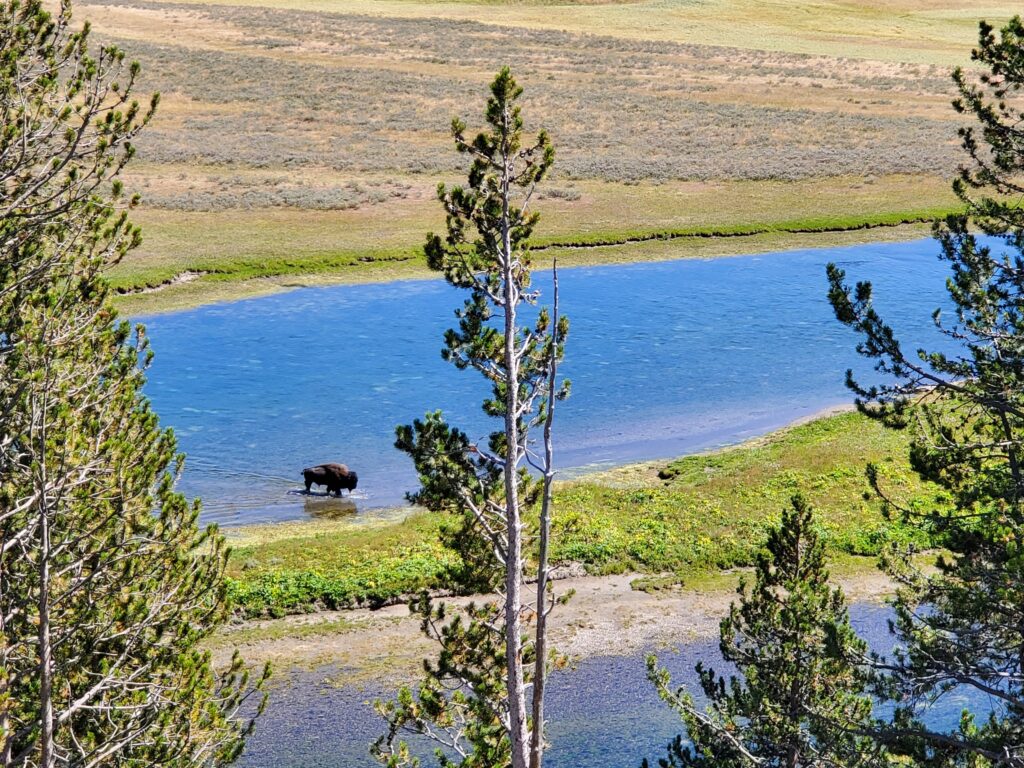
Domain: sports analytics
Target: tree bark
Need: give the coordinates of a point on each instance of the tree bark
(514, 561)
(46, 754)
(540, 663)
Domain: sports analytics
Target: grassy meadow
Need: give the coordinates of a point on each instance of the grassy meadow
(684, 520)
(245, 252)
(302, 141)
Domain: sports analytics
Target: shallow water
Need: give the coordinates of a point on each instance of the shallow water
(602, 714)
(665, 358)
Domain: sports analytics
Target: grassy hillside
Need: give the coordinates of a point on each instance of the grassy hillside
(690, 517)
(303, 139)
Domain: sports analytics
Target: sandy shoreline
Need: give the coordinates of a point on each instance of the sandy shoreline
(605, 617)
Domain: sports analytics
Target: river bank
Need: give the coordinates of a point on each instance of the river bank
(693, 518)
(149, 290)
(615, 615)
(331, 667)
(601, 711)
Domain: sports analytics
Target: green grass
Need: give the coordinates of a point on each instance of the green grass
(691, 517)
(383, 261)
(337, 566)
(821, 224)
(712, 511)
(245, 253)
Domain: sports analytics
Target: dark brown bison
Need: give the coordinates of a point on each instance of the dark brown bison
(334, 476)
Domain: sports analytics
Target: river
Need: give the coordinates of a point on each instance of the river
(665, 358)
(603, 713)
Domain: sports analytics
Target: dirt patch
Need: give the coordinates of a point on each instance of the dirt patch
(605, 616)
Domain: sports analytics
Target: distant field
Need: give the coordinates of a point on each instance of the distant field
(301, 137)
(920, 31)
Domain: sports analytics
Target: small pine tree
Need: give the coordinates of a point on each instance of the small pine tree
(798, 697)
(107, 585)
(964, 624)
(494, 659)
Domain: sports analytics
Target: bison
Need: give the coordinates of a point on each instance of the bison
(334, 476)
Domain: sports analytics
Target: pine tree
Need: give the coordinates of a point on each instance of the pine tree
(964, 625)
(107, 585)
(797, 700)
(997, 160)
(495, 656)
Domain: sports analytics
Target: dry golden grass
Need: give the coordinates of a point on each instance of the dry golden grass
(288, 90)
(924, 31)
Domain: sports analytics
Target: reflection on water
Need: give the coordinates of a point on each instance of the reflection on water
(665, 358)
(325, 506)
(602, 714)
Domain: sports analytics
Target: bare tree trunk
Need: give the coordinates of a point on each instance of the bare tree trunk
(540, 662)
(5, 721)
(514, 561)
(46, 745)
(6, 741)
(1011, 454)
(46, 755)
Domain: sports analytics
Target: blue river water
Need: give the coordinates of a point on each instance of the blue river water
(665, 358)
(603, 713)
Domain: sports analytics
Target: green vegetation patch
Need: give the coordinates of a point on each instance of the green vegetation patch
(712, 510)
(339, 567)
(692, 516)
(144, 277)
(808, 225)
(213, 270)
